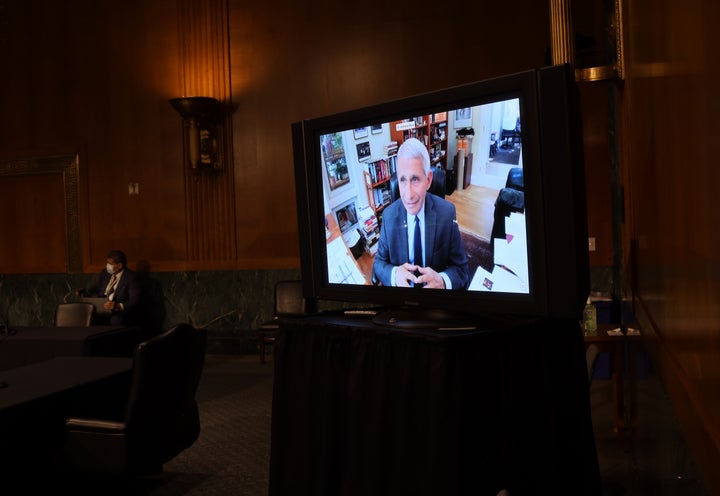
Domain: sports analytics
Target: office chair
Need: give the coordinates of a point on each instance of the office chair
(161, 416)
(510, 199)
(289, 302)
(74, 314)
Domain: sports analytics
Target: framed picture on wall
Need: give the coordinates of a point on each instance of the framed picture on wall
(346, 217)
(376, 128)
(363, 150)
(463, 117)
(360, 132)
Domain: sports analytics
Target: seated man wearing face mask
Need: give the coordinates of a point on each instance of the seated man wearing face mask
(122, 288)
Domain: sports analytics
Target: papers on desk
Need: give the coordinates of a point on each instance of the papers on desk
(510, 273)
(618, 332)
(512, 252)
(500, 280)
(342, 268)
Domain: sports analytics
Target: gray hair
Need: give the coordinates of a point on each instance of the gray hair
(414, 148)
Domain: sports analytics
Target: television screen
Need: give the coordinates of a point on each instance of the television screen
(465, 200)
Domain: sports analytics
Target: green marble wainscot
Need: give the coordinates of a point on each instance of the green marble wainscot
(229, 304)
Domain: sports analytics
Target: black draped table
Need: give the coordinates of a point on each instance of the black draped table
(360, 409)
(25, 345)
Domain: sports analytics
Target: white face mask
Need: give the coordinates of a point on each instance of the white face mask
(110, 269)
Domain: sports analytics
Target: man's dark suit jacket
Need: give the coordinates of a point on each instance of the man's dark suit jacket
(444, 250)
(128, 292)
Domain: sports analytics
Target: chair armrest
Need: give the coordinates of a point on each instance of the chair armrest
(95, 425)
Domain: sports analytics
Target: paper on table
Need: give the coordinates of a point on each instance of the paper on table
(342, 268)
(512, 252)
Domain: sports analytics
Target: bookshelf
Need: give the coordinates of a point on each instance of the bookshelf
(377, 179)
(431, 129)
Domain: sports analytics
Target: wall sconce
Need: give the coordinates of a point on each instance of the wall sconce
(203, 131)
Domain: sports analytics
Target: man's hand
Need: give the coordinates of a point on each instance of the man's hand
(405, 275)
(430, 278)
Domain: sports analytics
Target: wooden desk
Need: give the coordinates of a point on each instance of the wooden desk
(365, 409)
(621, 348)
(342, 266)
(35, 344)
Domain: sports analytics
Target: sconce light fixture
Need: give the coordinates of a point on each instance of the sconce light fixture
(203, 131)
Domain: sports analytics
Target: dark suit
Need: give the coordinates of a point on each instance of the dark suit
(444, 251)
(128, 292)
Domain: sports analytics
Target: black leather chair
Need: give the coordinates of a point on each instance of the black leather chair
(161, 417)
(510, 199)
(289, 302)
(515, 179)
(74, 314)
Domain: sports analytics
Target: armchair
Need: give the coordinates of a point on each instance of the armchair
(161, 418)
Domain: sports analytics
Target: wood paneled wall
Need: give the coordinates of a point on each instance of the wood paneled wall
(670, 158)
(93, 78)
(296, 60)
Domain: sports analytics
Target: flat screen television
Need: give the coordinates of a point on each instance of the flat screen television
(505, 221)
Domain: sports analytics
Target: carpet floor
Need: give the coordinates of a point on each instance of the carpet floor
(231, 457)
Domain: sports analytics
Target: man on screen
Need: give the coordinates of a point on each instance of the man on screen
(420, 242)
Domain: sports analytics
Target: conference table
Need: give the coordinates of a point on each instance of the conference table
(36, 399)
(24, 345)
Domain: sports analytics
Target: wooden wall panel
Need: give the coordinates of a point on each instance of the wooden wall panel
(33, 228)
(296, 60)
(39, 227)
(94, 80)
(205, 71)
(595, 104)
(91, 79)
(670, 155)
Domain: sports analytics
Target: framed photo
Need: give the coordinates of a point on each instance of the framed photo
(360, 132)
(463, 117)
(346, 217)
(376, 128)
(363, 150)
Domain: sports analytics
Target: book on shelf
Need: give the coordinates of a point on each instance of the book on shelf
(378, 170)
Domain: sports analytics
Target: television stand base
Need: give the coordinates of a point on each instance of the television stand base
(418, 318)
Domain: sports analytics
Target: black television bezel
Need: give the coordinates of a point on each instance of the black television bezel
(554, 180)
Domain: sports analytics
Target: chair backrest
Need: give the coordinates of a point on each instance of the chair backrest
(515, 179)
(162, 417)
(74, 314)
(289, 299)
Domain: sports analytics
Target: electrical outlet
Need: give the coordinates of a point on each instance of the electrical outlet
(591, 244)
(133, 189)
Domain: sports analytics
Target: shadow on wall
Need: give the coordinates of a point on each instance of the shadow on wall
(154, 299)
